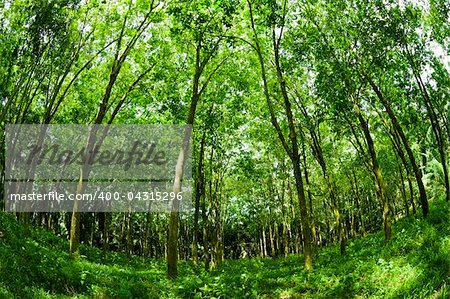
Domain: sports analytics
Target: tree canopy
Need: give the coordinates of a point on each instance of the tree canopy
(314, 122)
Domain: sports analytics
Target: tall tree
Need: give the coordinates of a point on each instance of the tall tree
(291, 149)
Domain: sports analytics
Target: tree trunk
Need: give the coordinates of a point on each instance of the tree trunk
(292, 152)
(318, 154)
(205, 232)
(399, 130)
(308, 192)
(432, 115)
(380, 187)
(199, 191)
(397, 146)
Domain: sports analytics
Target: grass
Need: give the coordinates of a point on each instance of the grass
(414, 264)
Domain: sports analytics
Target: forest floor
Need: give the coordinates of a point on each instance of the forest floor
(414, 264)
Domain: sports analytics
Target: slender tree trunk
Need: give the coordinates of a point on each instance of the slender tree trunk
(432, 115)
(264, 241)
(294, 151)
(75, 222)
(308, 192)
(403, 188)
(117, 64)
(200, 64)
(296, 226)
(399, 130)
(205, 232)
(198, 194)
(380, 186)
(318, 154)
(172, 243)
(284, 222)
(272, 240)
(397, 146)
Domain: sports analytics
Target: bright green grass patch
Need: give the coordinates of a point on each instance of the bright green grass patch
(414, 264)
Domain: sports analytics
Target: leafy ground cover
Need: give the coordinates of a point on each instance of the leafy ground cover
(414, 264)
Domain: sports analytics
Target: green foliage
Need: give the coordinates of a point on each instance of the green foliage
(56, 58)
(415, 264)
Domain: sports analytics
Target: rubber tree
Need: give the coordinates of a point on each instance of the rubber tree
(289, 142)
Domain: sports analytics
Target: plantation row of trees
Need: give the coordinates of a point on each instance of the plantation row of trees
(314, 122)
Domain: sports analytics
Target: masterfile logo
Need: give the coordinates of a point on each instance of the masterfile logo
(105, 167)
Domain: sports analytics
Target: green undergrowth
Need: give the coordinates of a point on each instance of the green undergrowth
(414, 264)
